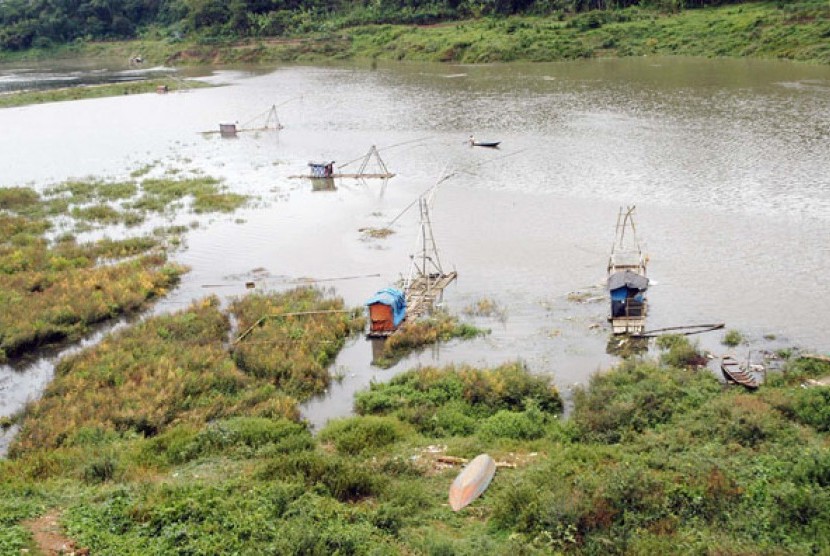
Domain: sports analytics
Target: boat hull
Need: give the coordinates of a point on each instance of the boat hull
(472, 481)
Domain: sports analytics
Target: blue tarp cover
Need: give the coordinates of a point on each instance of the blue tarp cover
(627, 279)
(393, 297)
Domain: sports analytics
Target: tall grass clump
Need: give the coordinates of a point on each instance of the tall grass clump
(54, 294)
(291, 350)
(732, 338)
(441, 327)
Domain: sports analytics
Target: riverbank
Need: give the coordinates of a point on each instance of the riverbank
(794, 31)
(23, 98)
(654, 459)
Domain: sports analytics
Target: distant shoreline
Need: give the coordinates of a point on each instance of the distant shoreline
(756, 30)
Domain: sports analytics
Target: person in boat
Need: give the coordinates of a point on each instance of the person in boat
(472, 141)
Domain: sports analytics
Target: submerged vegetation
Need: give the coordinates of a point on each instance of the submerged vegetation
(54, 290)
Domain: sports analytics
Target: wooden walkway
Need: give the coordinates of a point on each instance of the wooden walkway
(422, 293)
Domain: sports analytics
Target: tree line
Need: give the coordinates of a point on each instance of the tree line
(42, 23)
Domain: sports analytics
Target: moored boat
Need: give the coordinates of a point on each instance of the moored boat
(627, 281)
(736, 373)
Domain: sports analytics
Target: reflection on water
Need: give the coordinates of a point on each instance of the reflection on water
(725, 160)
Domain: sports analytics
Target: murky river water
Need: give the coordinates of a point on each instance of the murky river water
(727, 162)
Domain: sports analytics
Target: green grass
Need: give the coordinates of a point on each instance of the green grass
(795, 30)
(93, 91)
(440, 327)
(654, 459)
(57, 289)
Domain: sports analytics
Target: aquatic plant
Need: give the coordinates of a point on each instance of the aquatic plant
(440, 327)
(292, 337)
(52, 298)
(732, 338)
(486, 307)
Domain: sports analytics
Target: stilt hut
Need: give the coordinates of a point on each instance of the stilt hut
(227, 130)
(387, 309)
(627, 280)
(321, 169)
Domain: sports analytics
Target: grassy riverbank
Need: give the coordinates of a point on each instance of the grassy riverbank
(96, 91)
(192, 452)
(796, 30)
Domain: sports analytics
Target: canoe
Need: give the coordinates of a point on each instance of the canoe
(491, 144)
(733, 372)
(472, 481)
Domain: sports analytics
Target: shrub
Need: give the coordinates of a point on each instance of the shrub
(358, 434)
(527, 425)
(345, 479)
(100, 469)
(636, 396)
(681, 352)
(810, 406)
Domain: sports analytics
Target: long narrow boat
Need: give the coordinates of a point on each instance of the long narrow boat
(472, 481)
(733, 372)
(490, 144)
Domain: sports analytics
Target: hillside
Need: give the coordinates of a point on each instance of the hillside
(265, 31)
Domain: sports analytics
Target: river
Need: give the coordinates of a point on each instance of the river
(726, 161)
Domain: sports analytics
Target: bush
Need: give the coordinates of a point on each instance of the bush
(527, 425)
(681, 352)
(345, 479)
(635, 397)
(358, 434)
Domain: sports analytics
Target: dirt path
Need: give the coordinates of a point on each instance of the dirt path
(49, 537)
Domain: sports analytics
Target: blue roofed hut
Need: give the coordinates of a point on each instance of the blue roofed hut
(387, 309)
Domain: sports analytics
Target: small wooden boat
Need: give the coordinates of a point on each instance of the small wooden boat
(735, 373)
(472, 481)
(489, 144)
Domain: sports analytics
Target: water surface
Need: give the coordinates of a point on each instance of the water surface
(726, 161)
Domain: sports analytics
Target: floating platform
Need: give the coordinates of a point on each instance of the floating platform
(424, 290)
(354, 176)
(628, 325)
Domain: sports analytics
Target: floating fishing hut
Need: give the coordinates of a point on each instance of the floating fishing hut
(387, 310)
(425, 284)
(321, 169)
(366, 170)
(422, 289)
(227, 130)
(627, 279)
(266, 121)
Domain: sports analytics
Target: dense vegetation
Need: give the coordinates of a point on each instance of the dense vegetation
(25, 23)
(53, 289)
(196, 453)
(179, 31)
